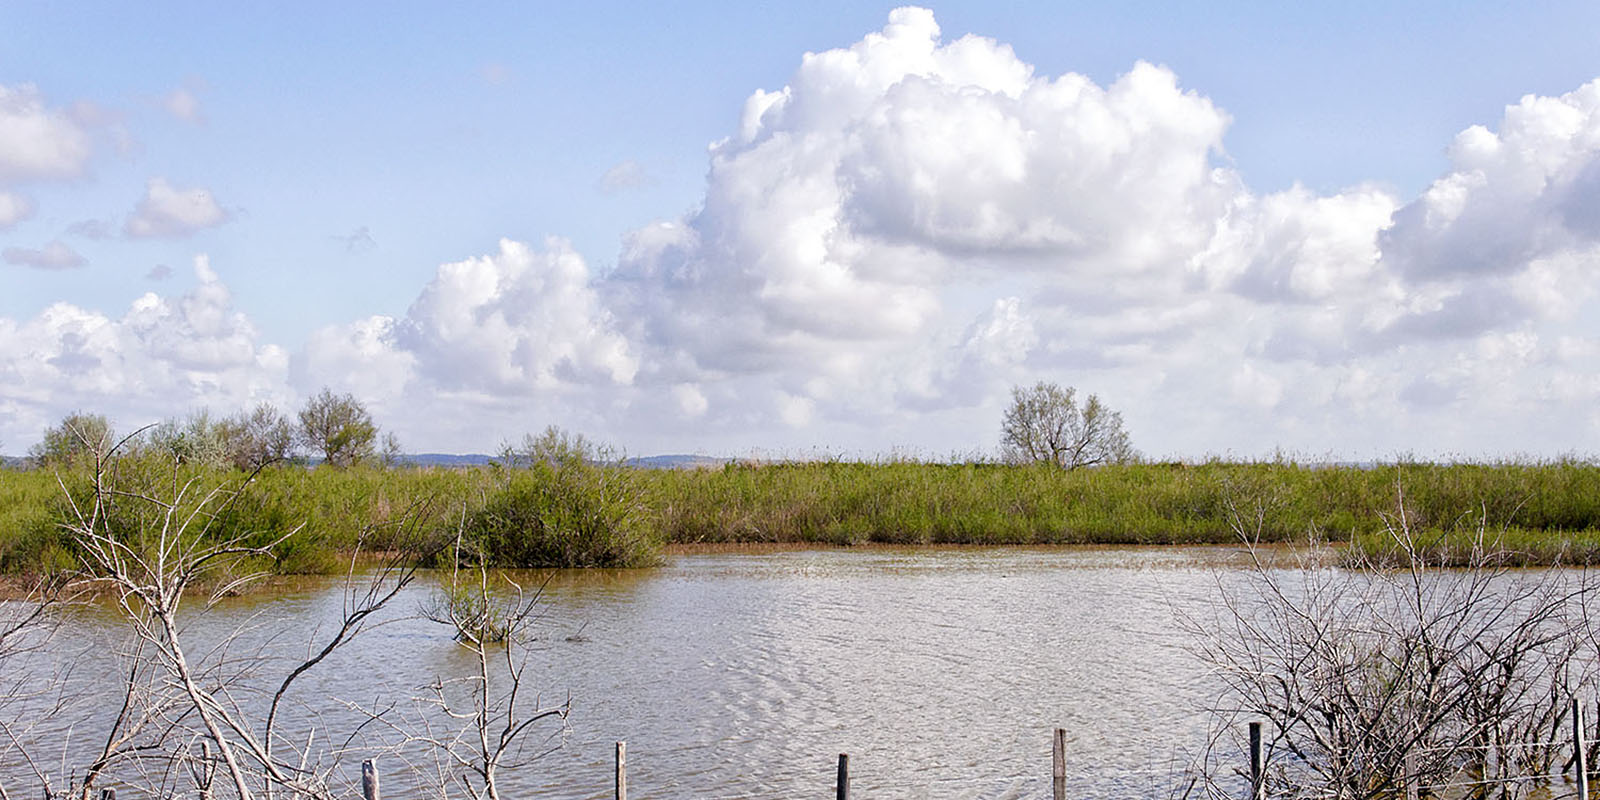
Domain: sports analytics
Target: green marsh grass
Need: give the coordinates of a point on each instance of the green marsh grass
(582, 514)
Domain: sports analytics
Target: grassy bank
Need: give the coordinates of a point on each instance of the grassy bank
(1539, 504)
(585, 515)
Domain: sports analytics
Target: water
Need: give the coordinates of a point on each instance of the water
(942, 672)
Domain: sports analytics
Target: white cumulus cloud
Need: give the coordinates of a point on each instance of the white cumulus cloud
(38, 142)
(1513, 195)
(170, 211)
(161, 357)
(501, 334)
(516, 320)
(862, 215)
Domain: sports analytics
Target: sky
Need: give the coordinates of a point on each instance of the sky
(1337, 231)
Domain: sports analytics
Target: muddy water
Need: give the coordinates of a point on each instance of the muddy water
(942, 672)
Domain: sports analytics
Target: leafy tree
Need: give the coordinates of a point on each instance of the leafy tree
(79, 436)
(338, 427)
(1046, 424)
(196, 440)
(258, 437)
(555, 447)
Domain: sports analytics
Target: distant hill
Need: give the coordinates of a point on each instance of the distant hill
(446, 459)
(678, 461)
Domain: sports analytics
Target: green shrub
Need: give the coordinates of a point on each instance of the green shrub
(568, 514)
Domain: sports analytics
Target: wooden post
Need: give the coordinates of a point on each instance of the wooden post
(1058, 765)
(841, 784)
(369, 780)
(1258, 784)
(1580, 753)
(622, 771)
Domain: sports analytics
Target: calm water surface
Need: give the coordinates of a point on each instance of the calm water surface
(940, 671)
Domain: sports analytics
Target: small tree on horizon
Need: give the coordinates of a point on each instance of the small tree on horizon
(555, 447)
(1046, 424)
(77, 436)
(194, 440)
(258, 437)
(338, 427)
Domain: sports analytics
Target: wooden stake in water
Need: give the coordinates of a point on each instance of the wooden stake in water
(622, 771)
(1257, 783)
(369, 780)
(1580, 753)
(1058, 765)
(841, 783)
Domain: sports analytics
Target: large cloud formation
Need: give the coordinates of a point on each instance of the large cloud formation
(911, 225)
(488, 339)
(895, 197)
(162, 356)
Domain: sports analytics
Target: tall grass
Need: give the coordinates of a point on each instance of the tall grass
(1141, 503)
(576, 513)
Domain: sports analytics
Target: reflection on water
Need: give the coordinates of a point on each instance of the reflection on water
(940, 671)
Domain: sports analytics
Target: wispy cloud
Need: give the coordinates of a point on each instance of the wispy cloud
(495, 74)
(93, 229)
(628, 174)
(183, 104)
(14, 208)
(53, 256)
(358, 241)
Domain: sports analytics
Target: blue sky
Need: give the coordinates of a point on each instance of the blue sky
(328, 162)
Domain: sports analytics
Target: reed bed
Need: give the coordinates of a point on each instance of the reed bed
(581, 514)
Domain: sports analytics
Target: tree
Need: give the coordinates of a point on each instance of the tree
(555, 447)
(77, 437)
(258, 437)
(391, 454)
(1045, 424)
(196, 440)
(338, 427)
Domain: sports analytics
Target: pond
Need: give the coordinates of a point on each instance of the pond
(941, 672)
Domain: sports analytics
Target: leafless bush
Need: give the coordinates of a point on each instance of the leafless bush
(472, 727)
(1373, 677)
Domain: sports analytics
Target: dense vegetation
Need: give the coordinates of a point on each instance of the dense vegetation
(559, 509)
